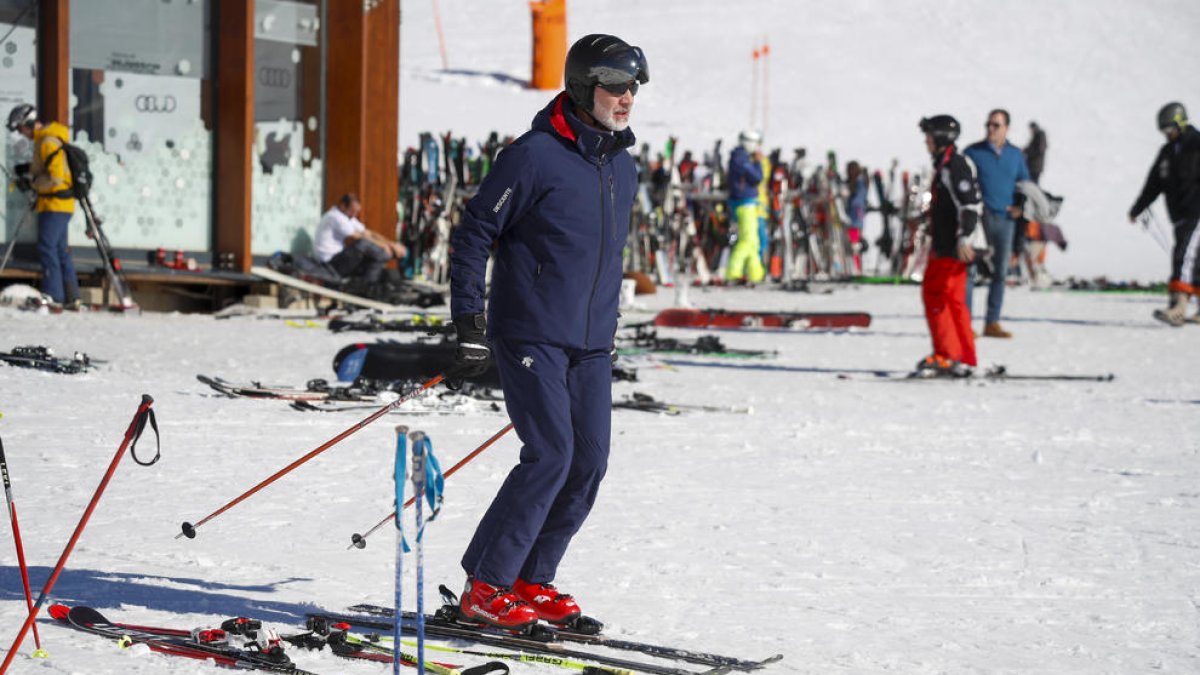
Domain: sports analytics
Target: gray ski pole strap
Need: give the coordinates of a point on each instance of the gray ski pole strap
(137, 434)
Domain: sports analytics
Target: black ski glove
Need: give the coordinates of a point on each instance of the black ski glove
(473, 356)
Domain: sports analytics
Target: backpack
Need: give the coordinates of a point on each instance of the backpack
(81, 172)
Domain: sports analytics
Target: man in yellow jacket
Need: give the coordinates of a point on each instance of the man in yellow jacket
(51, 179)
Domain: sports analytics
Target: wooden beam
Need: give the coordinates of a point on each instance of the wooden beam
(53, 58)
(362, 108)
(234, 129)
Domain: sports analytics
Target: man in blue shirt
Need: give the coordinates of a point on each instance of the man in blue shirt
(1000, 165)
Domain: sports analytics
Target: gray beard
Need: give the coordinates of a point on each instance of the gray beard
(607, 121)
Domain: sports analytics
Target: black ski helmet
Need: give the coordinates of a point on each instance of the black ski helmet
(943, 128)
(602, 59)
(22, 115)
(1172, 115)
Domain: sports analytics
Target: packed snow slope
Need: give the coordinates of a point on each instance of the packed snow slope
(856, 77)
(853, 523)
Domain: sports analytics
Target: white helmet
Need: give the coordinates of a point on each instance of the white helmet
(750, 139)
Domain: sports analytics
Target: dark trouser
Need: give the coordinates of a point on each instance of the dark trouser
(560, 402)
(58, 271)
(1185, 257)
(1000, 236)
(945, 312)
(361, 259)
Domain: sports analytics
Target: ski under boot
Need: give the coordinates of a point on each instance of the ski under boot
(939, 366)
(496, 606)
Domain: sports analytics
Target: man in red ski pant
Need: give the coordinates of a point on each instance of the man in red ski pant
(954, 220)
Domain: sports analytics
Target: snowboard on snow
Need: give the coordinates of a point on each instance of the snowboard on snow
(388, 361)
(724, 318)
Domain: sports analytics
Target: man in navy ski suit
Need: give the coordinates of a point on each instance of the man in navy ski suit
(556, 206)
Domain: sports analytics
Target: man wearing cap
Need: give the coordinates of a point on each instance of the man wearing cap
(556, 208)
(1176, 174)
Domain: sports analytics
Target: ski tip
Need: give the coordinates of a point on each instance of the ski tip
(189, 531)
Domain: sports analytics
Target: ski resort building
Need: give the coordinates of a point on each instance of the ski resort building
(218, 130)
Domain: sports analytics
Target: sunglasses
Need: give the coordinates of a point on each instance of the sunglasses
(620, 88)
(995, 125)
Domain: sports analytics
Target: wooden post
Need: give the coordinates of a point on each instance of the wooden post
(53, 60)
(363, 108)
(234, 129)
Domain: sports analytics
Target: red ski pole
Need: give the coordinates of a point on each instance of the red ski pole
(189, 530)
(12, 515)
(132, 434)
(360, 540)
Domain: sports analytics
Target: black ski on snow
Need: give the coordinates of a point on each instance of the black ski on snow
(42, 358)
(647, 403)
(549, 638)
(317, 390)
(543, 642)
(202, 644)
(645, 339)
(993, 374)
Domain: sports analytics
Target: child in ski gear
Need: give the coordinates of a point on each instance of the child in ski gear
(557, 206)
(954, 222)
(745, 175)
(999, 165)
(1176, 175)
(51, 180)
(856, 210)
(345, 243)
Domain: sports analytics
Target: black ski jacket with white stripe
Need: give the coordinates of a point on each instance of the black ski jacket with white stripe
(957, 206)
(1176, 174)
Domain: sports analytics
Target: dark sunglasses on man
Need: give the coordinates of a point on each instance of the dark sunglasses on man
(620, 88)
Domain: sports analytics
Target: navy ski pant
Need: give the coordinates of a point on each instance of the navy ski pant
(560, 403)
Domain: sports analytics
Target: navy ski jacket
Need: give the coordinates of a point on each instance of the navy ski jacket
(744, 176)
(556, 205)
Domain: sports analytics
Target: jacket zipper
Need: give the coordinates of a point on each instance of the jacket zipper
(600, 261)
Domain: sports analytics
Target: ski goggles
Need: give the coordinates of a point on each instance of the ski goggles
(621, 71)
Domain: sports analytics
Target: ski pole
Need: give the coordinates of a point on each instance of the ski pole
(401, 452)
(419, 440)
(132, 434)
(12, 514)
(360, 540)
(1151, 224)
(427, 479)
(189, 530)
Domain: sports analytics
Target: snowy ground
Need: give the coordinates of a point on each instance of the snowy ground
(856, 525)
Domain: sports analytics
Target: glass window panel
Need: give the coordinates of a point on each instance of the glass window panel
(18, 84)
(139, 107)
(288, 174)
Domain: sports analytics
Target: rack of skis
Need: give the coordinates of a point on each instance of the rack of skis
(680, 228)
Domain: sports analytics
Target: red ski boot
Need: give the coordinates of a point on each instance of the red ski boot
(549, 604)
(496, 606)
